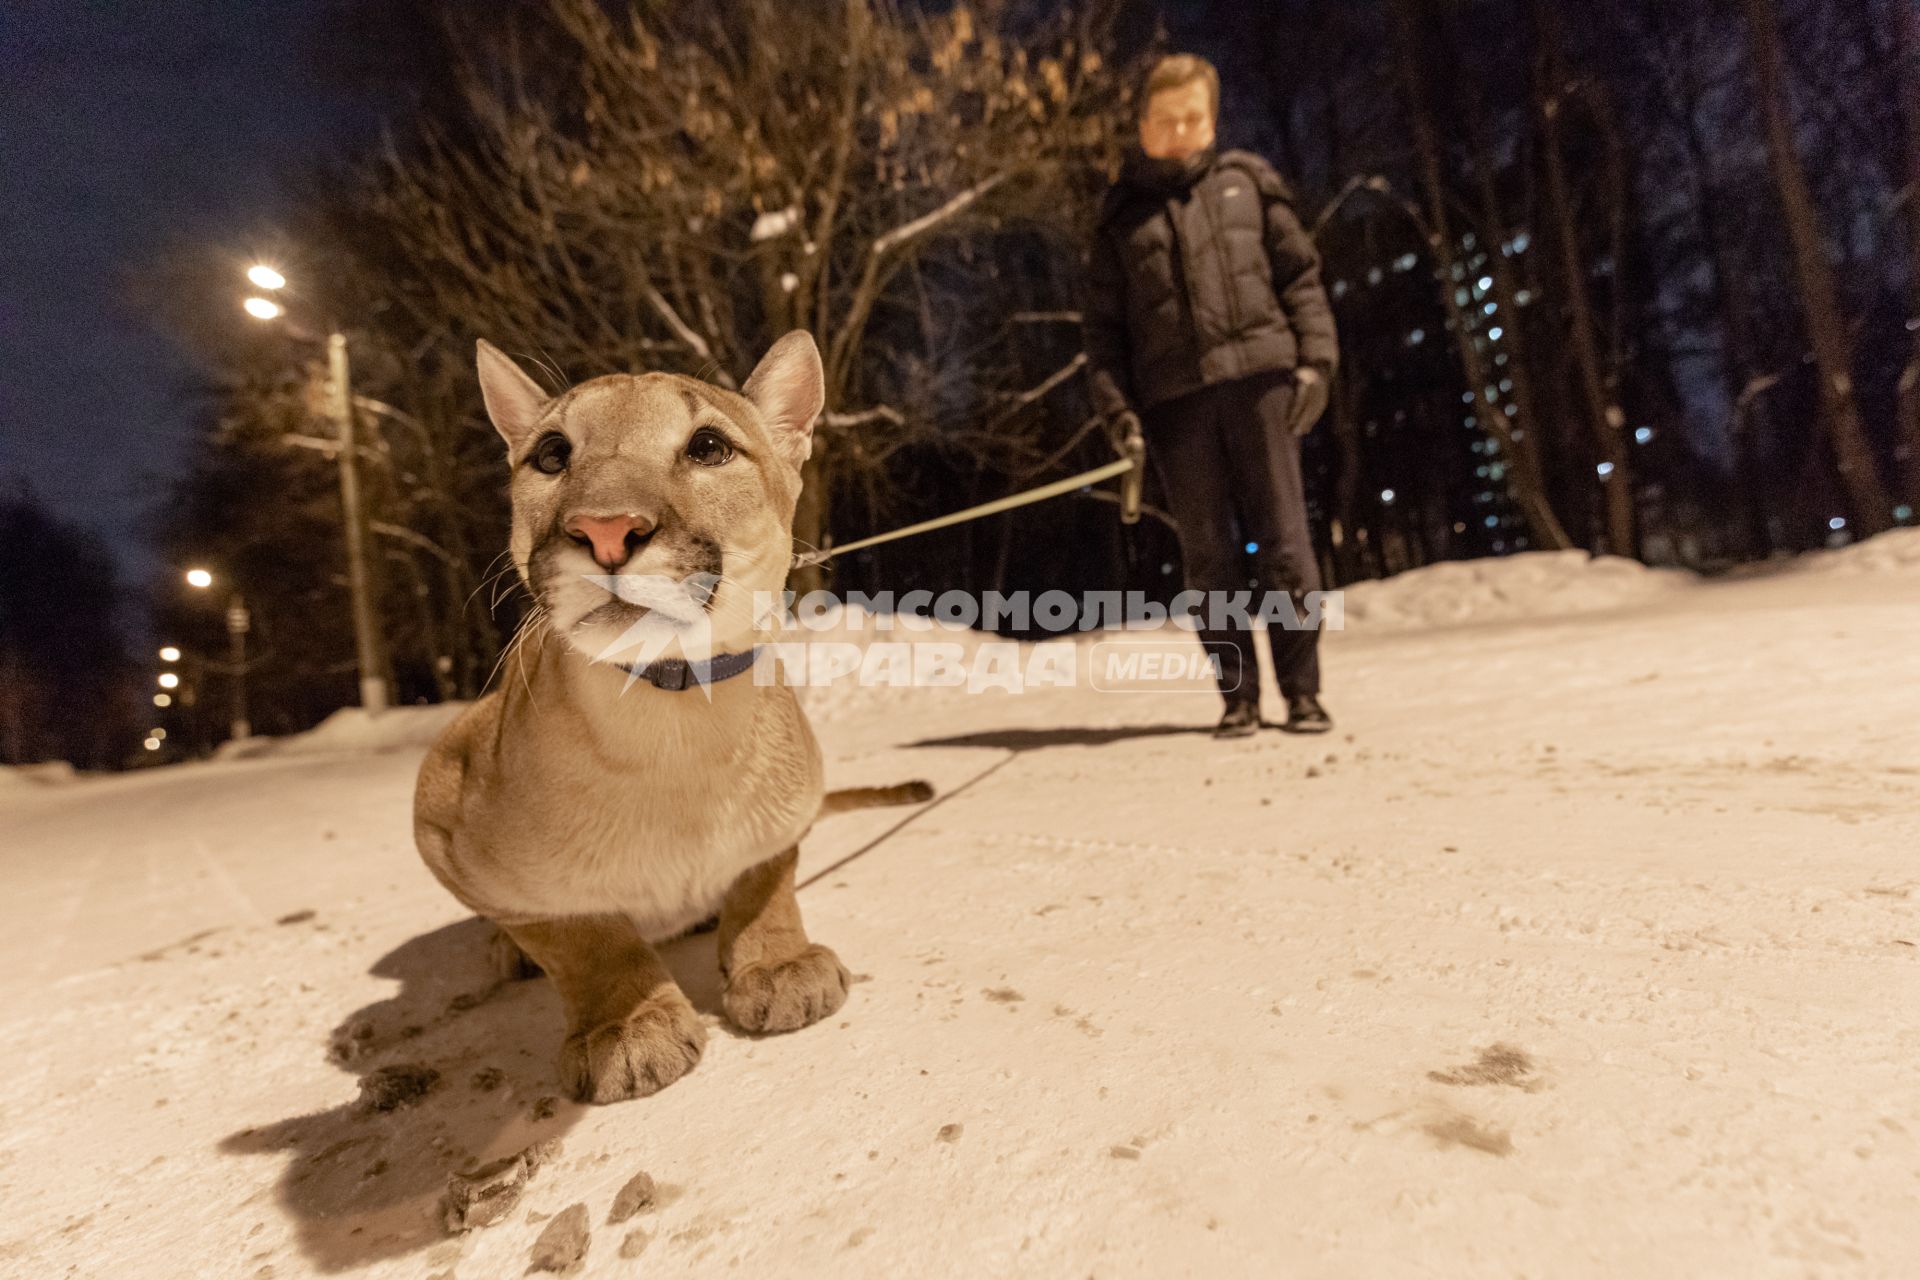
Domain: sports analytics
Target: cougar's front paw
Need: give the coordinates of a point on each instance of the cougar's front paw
(647, 1051)
(789, 995)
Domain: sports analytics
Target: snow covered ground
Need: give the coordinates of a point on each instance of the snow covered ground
(1585, 946)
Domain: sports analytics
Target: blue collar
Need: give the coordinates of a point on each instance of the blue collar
(677, 674)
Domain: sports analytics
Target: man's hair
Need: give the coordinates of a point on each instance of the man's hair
(1177, 71)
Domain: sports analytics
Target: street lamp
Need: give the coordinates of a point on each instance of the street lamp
(239, 622)
(375, 694)
(169, 654)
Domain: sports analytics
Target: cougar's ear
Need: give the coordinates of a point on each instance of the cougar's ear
(514, 401)
(789, 388)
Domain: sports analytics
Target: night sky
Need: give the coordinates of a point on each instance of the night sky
(125, 128)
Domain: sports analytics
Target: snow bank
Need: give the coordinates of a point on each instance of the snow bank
(1537, 584)
(353, 730)
(1533, 584)
(1895, 551)
(50, 773)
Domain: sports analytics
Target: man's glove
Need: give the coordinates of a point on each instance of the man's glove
(1130, 443)
(1309, 399)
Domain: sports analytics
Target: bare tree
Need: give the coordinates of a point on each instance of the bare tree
(1819, 296)
(1906, 45)
(1524, 476)
(704, 180)
(1599, 403)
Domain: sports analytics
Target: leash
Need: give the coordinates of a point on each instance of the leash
(921, 812)
(1132, 466)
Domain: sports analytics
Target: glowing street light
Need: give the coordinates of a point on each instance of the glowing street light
(375, 692)
(239, 622)
(169, 654)
(153, 744)
(168, 680)
(162, 699)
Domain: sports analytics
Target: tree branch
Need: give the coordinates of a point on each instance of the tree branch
(846, 342)
(696, 343)
(403, 534)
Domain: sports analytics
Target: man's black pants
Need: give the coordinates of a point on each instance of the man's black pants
(1230, 466)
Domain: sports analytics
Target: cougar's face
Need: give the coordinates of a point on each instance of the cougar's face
(653, 514)
(649, 515)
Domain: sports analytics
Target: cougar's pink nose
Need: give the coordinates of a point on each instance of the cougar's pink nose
(612, 539)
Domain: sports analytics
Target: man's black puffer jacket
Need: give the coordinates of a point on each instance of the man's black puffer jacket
(1201, 273)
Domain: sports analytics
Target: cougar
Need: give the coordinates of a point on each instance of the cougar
(629, 778)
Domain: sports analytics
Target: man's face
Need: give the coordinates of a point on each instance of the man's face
(1178, 122)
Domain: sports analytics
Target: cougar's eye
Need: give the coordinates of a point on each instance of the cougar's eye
(550, 456)
(709, 448)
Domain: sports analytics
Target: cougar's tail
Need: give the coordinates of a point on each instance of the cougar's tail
(919, 791)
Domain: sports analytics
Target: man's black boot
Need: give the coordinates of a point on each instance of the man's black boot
(1306, 715)
(1242, 718)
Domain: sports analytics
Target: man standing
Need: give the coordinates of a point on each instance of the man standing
(1208, 319)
